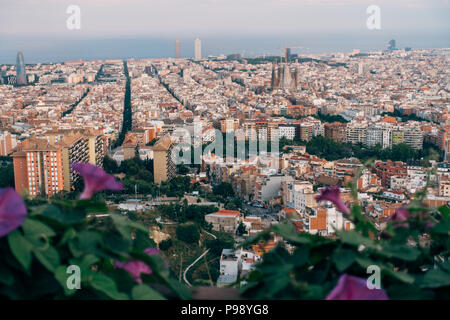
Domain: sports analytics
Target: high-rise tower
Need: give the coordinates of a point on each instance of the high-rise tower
(20, 69)
(177, 49)
(198, 49)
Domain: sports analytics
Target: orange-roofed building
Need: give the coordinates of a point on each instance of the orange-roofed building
(318, 221)
(224, 220)
(389, 120)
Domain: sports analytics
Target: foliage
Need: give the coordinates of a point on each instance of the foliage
(234, 204)
(224, 189)
(413, 258)
(188, 233)
(57, 234)
(398, 114)
(6, 172)
(223, 241)
(182, 169)
(184, 212)
(241, 230)
(331, 150)
(165, 244)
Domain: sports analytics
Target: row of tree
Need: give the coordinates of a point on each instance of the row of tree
(331, 150)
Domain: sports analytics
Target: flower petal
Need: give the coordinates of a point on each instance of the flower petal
(95, 179)
(12, 211)
(354, 288)
(333, 195)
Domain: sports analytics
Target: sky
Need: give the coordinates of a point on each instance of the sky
(37, 25)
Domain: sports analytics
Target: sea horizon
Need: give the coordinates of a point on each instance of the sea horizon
(54, 49)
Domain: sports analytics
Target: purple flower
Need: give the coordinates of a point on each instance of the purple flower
(95, 179)
(400, 215)
(135, 267)
(12, 211)
(354, 288)
(333, 195)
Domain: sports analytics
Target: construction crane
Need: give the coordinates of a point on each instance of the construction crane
(286, 52)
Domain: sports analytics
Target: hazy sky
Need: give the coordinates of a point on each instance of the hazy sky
(147, 28)
(169, 18)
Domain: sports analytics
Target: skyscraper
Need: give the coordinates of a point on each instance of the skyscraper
(20, 69)
(198, 49)
(392, 45)
(177, 49)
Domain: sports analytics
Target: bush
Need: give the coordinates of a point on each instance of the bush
(188, 233)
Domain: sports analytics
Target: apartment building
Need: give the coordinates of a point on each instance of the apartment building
(38, 168)
(224, 220)
(298, 195)
(388, 169)
(164, 167)
(336, 131)
(229, 125)
(7, 143)
(74, 148)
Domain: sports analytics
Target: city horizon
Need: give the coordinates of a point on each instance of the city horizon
(247, 47)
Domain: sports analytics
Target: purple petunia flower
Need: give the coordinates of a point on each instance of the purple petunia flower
(95, 179)
(354, 288)
(135, 267)
(12, 211)
(333, 195)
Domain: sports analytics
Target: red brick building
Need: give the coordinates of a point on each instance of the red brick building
(336, 131)
(388, 169)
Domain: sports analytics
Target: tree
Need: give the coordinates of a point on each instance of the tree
(241, 230)
(165, 244)
(188, 233)
(110, 165)
(6, 174)
(223, 241)
(224, 189)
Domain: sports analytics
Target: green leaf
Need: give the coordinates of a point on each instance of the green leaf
(435, 278)
(34, 227)
(125, 225)
(445, 211)
(69, 234)
(442, 227)
(61, 275)
(106, 285)
(85, 262)
(343, 259)
(20, 248)
(399, 275)
(355, 239)
(179, 289)
(143, 292)
(277, 283)
(66, 217)
(92, 206)
(49, 258)
(287, 231)
(6, 276)
(401, 252)
(37, 232)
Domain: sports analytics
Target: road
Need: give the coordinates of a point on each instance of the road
(196, 260)
(259, 212)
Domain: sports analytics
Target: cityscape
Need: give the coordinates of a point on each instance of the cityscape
(228, 176)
